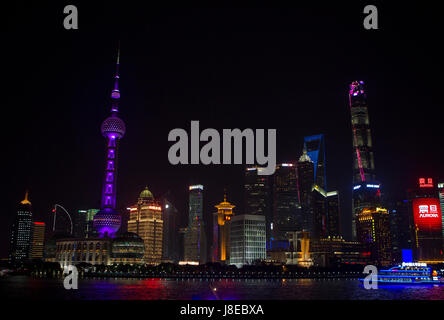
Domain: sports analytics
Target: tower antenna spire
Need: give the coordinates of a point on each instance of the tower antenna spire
(115, 94)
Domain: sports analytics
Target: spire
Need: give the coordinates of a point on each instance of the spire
(26, 201)
(115, 95)
(304, 157)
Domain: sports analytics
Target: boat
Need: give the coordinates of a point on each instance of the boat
(410, 273)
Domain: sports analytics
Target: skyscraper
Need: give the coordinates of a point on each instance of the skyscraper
(195, 246)
(315, 147)
(145, 220)
(170, 250)
(224, 216)
(247, 239)
(333, 214)
(258, 195)
(373, 228)
(305, 169)
(38, 240)
(80, 224)
(287, 213)
(365, 187)
(21, 233)
(401, 223)
(427, 222)
(319, 207)
(107, 221)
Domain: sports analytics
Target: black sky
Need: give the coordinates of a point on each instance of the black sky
(285, 67)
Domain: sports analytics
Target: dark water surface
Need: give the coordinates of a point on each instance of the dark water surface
(22, 287)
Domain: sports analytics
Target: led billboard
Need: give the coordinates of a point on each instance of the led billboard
(427, 214)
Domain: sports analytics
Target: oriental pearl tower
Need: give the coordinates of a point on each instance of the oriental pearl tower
(107, 221)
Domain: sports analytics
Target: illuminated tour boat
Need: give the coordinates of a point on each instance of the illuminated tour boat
(408, 273)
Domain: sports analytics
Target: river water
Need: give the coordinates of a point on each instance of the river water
(22, 287)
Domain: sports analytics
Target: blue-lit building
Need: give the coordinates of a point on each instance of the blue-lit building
(315, 147)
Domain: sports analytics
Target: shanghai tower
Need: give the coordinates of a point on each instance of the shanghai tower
(107, 221)
(365, 187)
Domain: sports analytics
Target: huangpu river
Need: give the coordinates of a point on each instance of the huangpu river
(24, 287)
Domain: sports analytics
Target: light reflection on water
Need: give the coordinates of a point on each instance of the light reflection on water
(21, 287)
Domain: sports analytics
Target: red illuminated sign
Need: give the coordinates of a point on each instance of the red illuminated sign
(423, 184)
(427, 213)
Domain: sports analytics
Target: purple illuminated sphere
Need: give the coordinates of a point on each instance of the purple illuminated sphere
(107, 222)
(113, 125)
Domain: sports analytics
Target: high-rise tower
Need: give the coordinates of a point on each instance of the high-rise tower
(107, 221)
(365, 187)
(363, 162)
(224, 215)
(145, 220)
(195, 241)
(21, 234)
(315, 147)
(287, 213)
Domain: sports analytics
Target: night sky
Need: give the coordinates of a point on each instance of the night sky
(284, 68)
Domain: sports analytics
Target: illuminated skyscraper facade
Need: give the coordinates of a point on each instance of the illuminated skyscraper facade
(21, 233)
(145, 220)
(38, 240)
(108, 221)
(258, 196)
(224, 216)
(333, 214)
(170, 251)
(247, 239)
(80, 224)
(195, 242)
(315, 148)
(287, 213)
(363, 160)
(305, 169)
(373, 228)
(319, 207)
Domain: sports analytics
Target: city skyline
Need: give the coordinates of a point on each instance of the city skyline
(144, 100)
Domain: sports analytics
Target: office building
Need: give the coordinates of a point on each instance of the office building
(195, 242)
(258, 195)
(373, 228)
(80, 224)
(335, 251)
(333, 214)
(170, 244)
(145, 220)
(305, 170)
(287, 212)
(247, 239)
(38, 240)
(21, 233)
